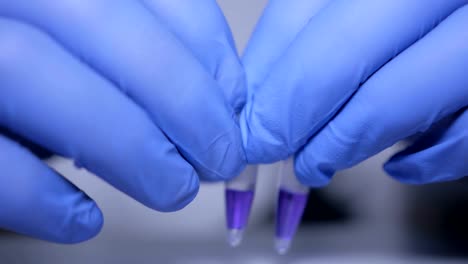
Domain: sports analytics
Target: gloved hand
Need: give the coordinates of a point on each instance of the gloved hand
(339, 81)
(134, 91)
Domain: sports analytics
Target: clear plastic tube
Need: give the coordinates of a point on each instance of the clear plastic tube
(239, 197)
(292, 199)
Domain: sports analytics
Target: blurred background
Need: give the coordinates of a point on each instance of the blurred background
(363, 216)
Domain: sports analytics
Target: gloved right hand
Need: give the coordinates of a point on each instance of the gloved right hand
(134, 91)
(336, 82)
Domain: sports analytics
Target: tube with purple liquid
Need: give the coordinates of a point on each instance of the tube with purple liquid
(239, 197)
(292, 199)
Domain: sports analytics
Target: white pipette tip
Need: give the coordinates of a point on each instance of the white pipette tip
(282, 246)
(234, 237)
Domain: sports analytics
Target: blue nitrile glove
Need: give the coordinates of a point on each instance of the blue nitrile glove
(133, 91)
(339, 81)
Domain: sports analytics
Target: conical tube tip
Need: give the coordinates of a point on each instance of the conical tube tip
(234, 237)
(282, 245)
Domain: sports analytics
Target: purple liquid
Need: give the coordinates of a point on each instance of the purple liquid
(238, 204)
(289, 213)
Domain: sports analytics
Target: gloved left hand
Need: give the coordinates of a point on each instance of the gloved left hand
(134, 91)
(340, 81)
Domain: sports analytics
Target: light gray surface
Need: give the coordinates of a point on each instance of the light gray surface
(349, 244)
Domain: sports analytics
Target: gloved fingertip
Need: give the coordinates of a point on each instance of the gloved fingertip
(223, 160)
(260, 144)
(184, 196)
(404, 171)
(258, 152)
(312, 174)
(233, 163)
(164, 181)
(228, 169)
(231, 170)
(84, 223)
